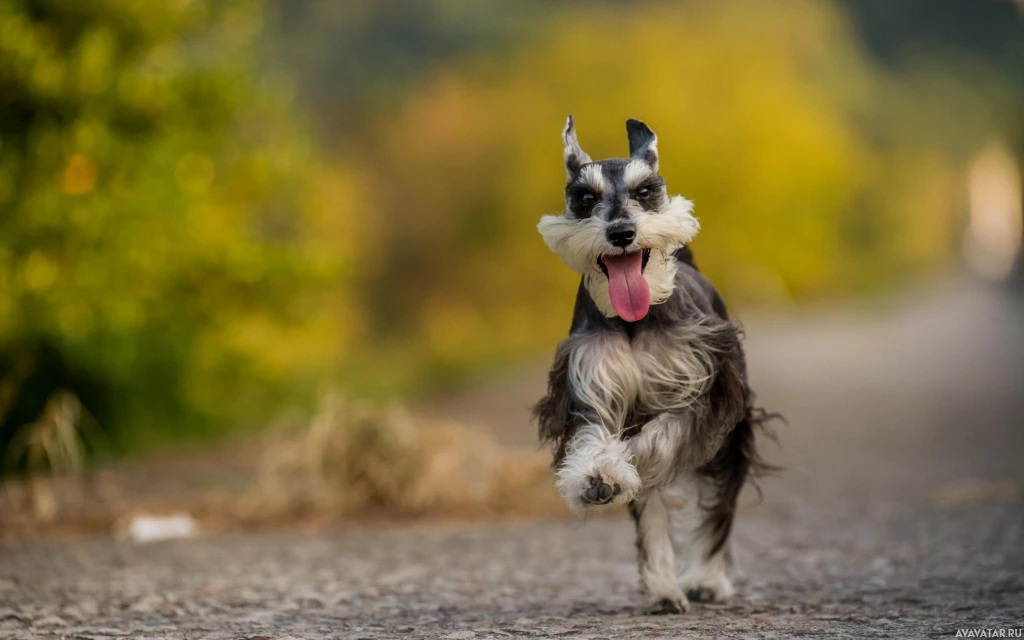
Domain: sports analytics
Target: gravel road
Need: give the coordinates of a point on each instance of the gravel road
(901, 514)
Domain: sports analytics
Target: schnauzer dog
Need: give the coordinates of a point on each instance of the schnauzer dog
(647, 402)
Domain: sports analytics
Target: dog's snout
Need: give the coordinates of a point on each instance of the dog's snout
(621, 234)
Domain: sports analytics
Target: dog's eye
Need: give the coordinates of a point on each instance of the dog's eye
(582, 202)
(642, 192)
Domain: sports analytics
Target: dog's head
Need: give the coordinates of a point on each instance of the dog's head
(620, 226)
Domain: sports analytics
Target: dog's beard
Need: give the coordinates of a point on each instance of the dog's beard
(614, 283)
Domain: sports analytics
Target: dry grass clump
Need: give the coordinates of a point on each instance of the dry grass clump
(51, 447)
(351, 459)
(348, 462)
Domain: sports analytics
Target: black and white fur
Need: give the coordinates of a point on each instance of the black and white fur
(655, 414)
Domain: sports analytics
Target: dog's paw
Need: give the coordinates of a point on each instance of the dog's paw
(598, 487)
(666, 605)
(599, 491)
(597, 472)
(717, 589)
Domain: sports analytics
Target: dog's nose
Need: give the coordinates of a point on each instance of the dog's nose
(621, 234)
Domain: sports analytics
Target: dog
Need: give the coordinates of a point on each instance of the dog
(647, 401)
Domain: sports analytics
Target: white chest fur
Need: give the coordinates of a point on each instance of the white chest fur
(653, 373)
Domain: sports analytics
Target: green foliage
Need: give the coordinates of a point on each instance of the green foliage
(174, 250)
(165, 224)
(770, 118)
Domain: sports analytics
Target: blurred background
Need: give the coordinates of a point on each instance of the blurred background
(235, 235)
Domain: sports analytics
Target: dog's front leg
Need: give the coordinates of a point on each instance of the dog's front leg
(656, 557)
(597, 469)
(657, 449)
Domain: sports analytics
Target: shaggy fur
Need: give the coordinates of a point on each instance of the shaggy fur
(655, 414)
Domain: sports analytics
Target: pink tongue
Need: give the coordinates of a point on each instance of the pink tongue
(627, 287)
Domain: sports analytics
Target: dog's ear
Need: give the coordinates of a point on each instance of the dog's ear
(643, 144)
(575, 157)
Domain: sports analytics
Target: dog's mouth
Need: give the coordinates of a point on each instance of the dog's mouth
(643, 263)
(627, 288)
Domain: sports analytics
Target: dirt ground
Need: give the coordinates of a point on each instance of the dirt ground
(901, 514)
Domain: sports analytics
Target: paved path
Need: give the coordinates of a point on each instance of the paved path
(901, 515)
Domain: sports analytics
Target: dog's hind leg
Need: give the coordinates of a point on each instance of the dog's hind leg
(703, 507)
(656, 556)
(703, 554)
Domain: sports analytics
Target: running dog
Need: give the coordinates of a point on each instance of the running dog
(647, 402)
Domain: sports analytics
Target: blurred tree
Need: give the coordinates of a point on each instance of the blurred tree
(173, 250)
(170, 247)
(978, 45)
(770, 118)
(986, 31)
(351, 59)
